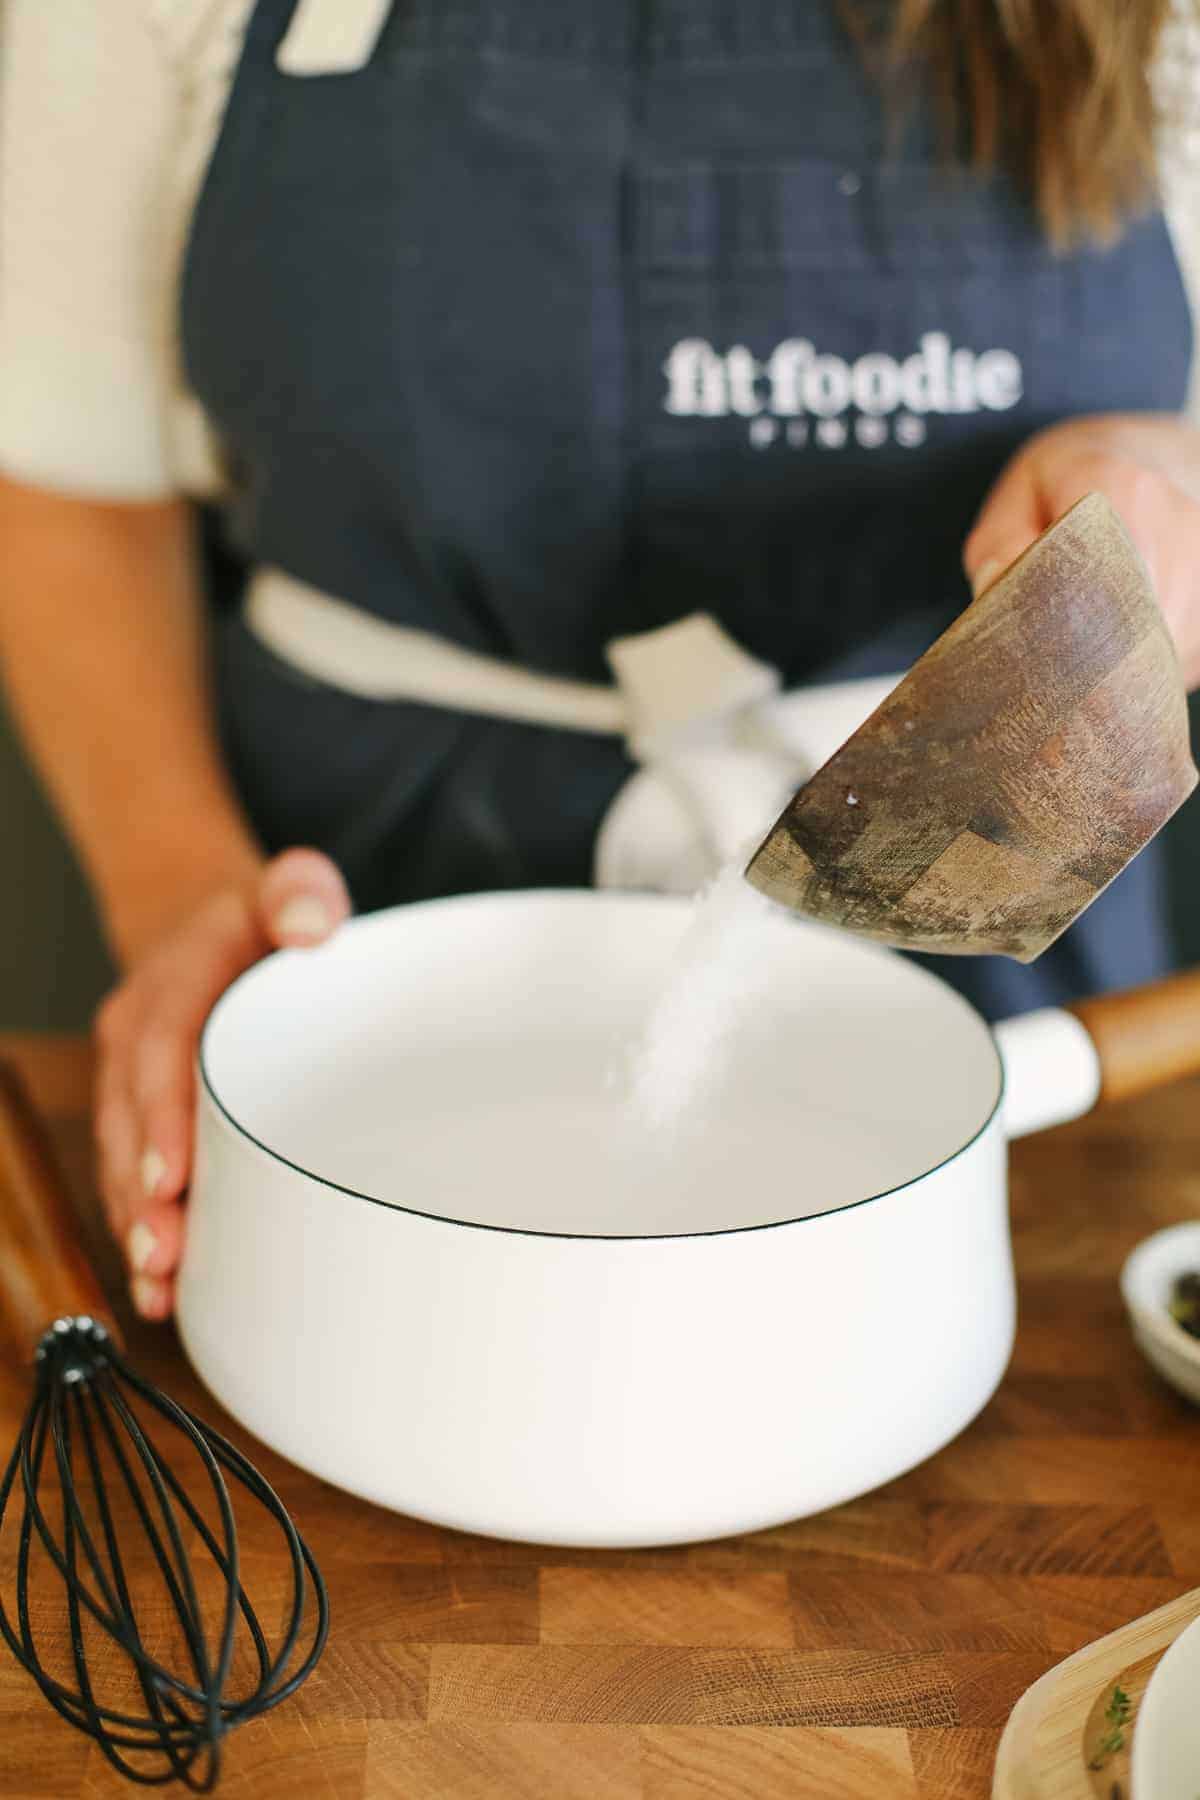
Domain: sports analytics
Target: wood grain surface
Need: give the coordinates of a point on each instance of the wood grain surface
(872, 1653)
(43, 1273)
(1021, 763)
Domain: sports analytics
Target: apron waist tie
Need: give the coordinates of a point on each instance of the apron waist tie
(352, 649)
(722, 749)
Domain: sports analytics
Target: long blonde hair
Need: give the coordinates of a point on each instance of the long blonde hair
(1058, 91)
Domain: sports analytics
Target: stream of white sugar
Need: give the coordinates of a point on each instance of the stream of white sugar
(719, 972)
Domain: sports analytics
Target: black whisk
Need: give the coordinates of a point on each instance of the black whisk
(86, 1617)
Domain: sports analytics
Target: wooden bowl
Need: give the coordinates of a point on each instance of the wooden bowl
(1022, 762)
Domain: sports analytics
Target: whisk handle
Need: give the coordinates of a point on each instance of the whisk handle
(44, 1273)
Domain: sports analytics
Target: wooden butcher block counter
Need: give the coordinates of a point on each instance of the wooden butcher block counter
(874, 1651)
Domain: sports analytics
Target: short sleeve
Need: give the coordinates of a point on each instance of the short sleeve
(87, 359)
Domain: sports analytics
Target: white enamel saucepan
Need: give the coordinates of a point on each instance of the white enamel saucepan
(427, 1260)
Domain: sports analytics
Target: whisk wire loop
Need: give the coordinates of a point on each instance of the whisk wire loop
(89, 1420)
(156, 1703)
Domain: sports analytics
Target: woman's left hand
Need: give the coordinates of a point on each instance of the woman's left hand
(1147, 465)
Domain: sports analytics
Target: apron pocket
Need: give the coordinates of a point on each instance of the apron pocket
(827, 216)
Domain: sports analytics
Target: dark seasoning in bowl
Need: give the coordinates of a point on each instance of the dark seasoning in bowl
(1184, 1305)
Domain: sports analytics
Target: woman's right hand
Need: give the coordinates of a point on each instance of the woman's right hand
(147, 1031)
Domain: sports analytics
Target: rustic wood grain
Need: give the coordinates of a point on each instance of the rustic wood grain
(644, 1685)
(1075, 1610)
(1021, 763)
(953, 1765)
(687, 1762)
(44, 1273)
(37, 1762)
(600, 1606)
(504, 1762)
(872, 1653)
(1051, 1539)
(918, 1611)
(390, 1601)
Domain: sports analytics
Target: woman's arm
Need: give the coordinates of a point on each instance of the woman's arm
(102, 650)
(103, 656)
(101, 622)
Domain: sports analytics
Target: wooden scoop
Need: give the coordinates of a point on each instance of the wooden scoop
(1022, 762)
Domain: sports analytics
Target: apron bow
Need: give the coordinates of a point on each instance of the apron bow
(720, 748)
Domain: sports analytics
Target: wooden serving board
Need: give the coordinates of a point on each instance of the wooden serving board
(1053, 1747)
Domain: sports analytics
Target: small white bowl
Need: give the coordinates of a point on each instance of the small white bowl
(1146, 1282)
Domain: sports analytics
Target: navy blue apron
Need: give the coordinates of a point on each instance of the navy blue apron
(561, 319)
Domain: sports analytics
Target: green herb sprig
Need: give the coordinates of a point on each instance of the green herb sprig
(1117, 1714)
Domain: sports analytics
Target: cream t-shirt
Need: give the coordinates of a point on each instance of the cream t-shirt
(109, 110)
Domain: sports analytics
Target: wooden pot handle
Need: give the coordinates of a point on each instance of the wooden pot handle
(1145, 1037)
(44, 1274)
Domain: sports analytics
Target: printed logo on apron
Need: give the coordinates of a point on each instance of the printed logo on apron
(803, 396)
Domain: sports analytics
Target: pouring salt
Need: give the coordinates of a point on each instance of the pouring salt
(720, 969)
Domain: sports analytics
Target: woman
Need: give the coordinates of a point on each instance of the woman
(533, 327)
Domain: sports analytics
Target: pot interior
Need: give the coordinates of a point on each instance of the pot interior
(466, 1058)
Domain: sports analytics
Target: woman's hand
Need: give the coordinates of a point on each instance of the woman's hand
(1148, 466)
(147, 1031)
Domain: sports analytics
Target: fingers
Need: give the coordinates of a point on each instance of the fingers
(1148, 468)
(1045, 480)
(302, 898)
(162, 1094)
(147, 1032)
(154, 1242)
(1011, 517)
(153, 1299)
(114, 1121)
